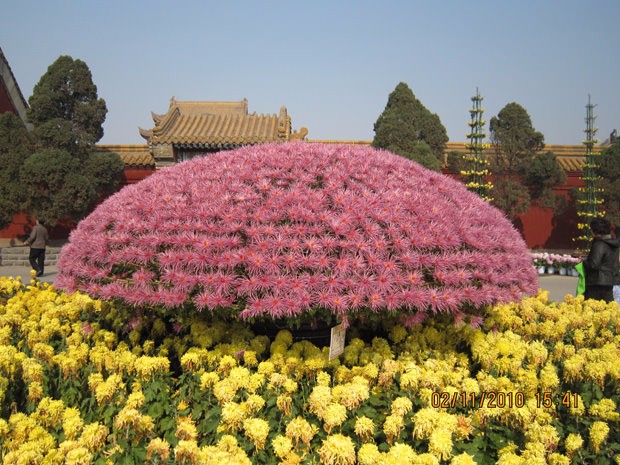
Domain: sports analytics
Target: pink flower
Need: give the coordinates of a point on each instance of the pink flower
(293, 226)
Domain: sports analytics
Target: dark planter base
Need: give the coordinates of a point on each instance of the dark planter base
(319, 336)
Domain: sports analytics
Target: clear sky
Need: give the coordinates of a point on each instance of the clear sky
(331, 63)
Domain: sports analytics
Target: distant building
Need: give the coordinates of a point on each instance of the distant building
(191, 128)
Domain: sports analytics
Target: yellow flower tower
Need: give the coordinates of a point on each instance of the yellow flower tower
(589, 204)
(477, 165)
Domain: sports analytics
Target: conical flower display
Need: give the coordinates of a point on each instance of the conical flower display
(283, 230)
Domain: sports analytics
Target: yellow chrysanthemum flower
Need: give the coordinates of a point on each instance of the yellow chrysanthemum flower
(337, 450)
(400, 453)
(546, 435)
(285, 402)
(79, 456)
(249, 358)
(72, 423)
(227, 362)
(573, 443)
(208, 379)
(225, 390)
(282, 445)
(136, 399)
(351, 395)
(364, 428)
(401, 406)
(186, 429)
(440, 443)
(158, 449)
(555, 458)
(32, 371)
(319, 399)
(257, 430)
(186, 452)
(368, 454)
(463, 459)
(605, 409)
(333, 416)
(49, 412)
(35, 392)
(299, 430)
(598, 433)
(266, 368)
(94, 436)
(254, 403)
(323, 379)
(392, 426)
(233, 415)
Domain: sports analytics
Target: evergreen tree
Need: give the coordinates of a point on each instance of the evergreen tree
(522, 174)
(65, 109)
(540, 174)
(405, 123)
(65, 178)
(513, 138)
(15, 146)
(608, 170)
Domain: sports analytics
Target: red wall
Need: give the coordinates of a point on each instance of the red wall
(542, 229)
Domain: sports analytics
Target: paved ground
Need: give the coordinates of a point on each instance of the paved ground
(558, 286)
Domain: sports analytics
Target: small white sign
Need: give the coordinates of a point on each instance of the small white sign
(336, 343)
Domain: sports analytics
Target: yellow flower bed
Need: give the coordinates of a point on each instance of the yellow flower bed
(80, 383)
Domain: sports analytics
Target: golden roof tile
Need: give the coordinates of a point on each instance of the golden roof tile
(133, 156)
(203, 124)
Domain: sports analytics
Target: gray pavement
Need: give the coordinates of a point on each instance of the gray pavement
(558, 286)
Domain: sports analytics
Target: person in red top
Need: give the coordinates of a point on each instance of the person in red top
(37, 241)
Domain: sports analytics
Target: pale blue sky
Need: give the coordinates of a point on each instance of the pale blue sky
(331, 63)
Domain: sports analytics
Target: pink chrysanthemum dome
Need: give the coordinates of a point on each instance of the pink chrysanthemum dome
(283, 230)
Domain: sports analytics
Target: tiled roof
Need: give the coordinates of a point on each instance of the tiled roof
(570, 157)
(216, 124)
(133, 156)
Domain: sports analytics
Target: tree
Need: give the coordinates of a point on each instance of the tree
(517, 164)
(65, 178)
(15, 145)
(513, 138)
(56, 186)
(405, 123)
(510, 196)
(541, 174)
(65, 109)
(609, 171)
(421, 153)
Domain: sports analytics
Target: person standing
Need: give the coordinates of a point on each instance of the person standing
(601, 264)
(37, 241)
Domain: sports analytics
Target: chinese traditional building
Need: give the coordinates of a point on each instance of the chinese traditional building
(191, 128)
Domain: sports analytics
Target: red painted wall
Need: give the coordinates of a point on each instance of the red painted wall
(542, 229)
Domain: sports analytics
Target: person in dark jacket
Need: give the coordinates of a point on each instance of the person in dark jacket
(38, 242)
(601, 264)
